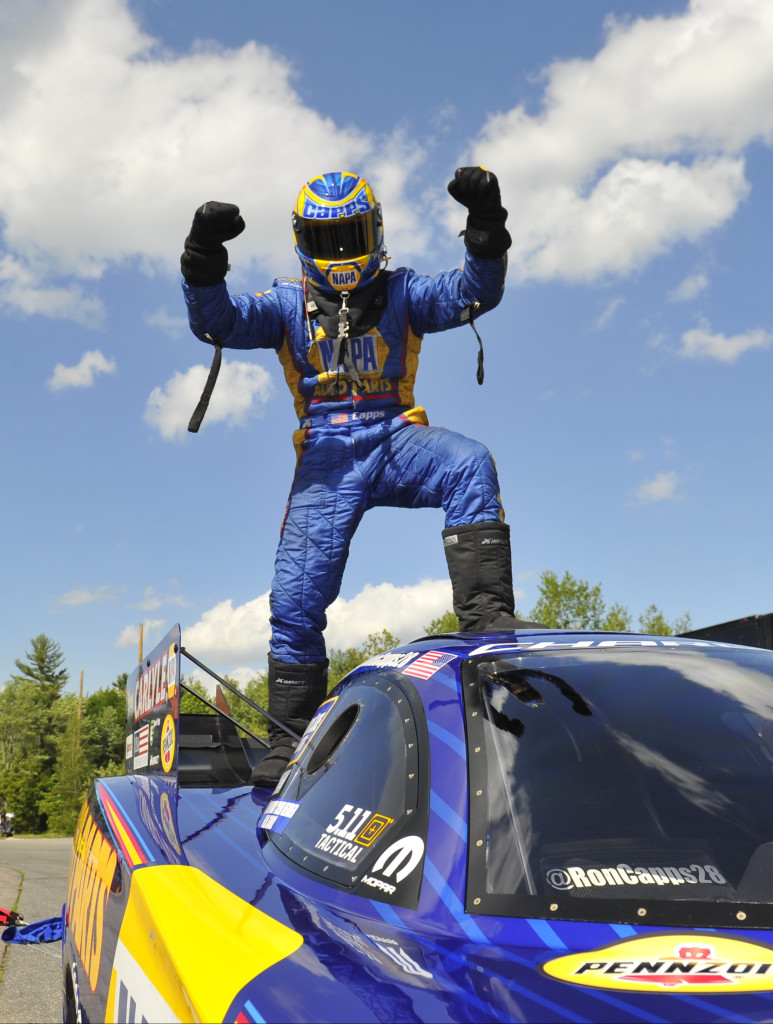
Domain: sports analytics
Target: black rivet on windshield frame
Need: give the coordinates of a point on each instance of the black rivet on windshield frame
(741, 915)
(641, 912)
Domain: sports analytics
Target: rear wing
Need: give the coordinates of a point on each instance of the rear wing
(751, 631)
(153, 710)
(191, 749)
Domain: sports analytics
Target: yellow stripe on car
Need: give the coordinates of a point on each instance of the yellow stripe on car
(196, 942)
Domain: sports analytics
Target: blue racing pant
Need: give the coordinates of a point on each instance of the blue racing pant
(343, 469)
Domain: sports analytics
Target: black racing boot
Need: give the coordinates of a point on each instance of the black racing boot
(295, 691)
(481, 571)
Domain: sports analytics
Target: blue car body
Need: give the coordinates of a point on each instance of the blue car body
(528, 826)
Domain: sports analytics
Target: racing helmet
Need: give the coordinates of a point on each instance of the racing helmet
(339, 233)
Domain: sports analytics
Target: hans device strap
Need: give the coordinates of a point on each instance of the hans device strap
(209, 387)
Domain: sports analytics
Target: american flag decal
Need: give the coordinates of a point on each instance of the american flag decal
(428, 664)
(142, 740)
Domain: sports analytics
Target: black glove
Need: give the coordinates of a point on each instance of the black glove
(478, 190)
(205, 259)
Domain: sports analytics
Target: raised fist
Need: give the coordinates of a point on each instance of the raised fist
(205, 259)
(478, 190)
(215, 223)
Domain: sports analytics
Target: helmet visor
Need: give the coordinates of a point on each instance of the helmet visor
(343, 239)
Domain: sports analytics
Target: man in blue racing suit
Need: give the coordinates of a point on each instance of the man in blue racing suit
(348, 336)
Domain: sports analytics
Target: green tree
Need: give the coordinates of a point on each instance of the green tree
(72, 773)
(568, 603)
(257, 690)
(617, 619)
(654, 621)
(24, 719)
(30, 733)
(104, 730)
(342, 662)
(189, 702)
(44, 667)
(448, 622)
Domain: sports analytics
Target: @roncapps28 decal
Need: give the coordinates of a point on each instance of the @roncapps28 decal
(675, 962)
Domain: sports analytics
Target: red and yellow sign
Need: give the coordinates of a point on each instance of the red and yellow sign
(676, 962)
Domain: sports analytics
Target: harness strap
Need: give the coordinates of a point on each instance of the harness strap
(209, 387)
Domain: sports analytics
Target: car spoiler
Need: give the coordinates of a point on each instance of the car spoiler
(156, 733)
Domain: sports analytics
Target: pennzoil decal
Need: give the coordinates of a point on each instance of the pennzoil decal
(670, 963)
(167, 743)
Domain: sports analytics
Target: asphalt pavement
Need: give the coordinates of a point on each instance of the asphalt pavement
(34, 871)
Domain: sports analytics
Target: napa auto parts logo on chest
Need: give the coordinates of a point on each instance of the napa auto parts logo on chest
(670, 963)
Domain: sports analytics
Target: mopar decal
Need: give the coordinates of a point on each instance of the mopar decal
(670, 963)
(400, 858)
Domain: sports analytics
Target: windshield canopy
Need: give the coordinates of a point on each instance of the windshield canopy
(641, 775)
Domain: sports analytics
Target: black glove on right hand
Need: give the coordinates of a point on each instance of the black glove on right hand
(205, 259)
(478, 190)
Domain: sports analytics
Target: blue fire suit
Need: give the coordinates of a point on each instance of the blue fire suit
(361, 442)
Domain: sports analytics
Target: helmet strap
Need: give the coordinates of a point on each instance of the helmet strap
(342, 341)
(306, 306)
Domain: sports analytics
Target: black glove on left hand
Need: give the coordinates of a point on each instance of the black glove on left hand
(205, 259)
(478, 190)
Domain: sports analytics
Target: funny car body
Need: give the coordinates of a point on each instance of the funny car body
(527, 826)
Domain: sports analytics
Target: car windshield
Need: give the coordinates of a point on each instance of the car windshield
(642, 772)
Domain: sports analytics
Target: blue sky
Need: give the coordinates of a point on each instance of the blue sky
(627, 368)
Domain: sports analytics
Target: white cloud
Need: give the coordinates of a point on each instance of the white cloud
(152, 601)
(700, 343)
(608, 312)
(174, 326)
(228, 635)
(21, 290)
(83, 373)
(89, 595)
(152, 631)
(663, 487)
(111, 142)
(689, 288)
(241, 390)
(639, 147)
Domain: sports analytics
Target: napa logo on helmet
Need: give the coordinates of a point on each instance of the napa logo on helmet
(344, 275)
